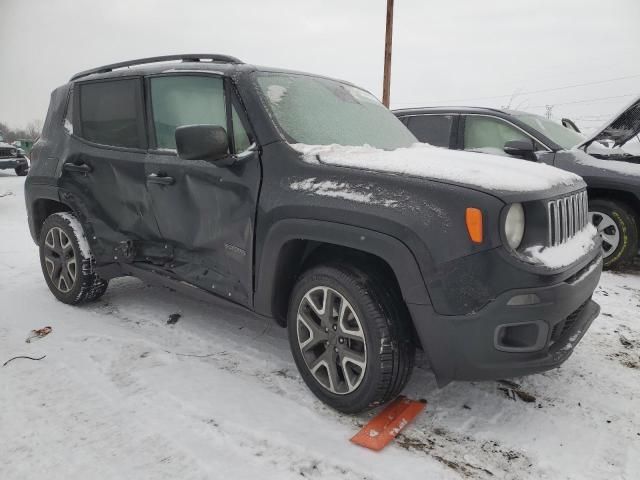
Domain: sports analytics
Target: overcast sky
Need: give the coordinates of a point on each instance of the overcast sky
(445, 52)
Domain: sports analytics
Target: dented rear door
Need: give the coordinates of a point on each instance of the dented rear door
(102, 174)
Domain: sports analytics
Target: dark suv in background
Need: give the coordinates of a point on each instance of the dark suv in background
(225, 180)
(611, 173)
(12, 157)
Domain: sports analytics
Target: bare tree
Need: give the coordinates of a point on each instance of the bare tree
(34, 129)
(32, 132)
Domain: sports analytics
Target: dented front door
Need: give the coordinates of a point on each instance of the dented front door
(206, 213)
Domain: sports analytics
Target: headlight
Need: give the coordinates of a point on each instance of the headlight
(14, 152)
(514, 225)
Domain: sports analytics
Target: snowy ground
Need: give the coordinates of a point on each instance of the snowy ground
(121, 394)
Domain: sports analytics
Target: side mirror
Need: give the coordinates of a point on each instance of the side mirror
(520, 148)
(202, 142)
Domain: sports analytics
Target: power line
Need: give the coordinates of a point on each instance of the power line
(587, 100)
(597, 82)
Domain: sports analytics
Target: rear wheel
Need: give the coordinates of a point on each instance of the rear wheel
(67, 262)
(350, 337)
(617, 225)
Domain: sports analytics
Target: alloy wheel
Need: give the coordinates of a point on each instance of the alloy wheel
(331, 339)
(60, 259)
(609, 231)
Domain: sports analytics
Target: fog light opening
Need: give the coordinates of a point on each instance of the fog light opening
(521, 337)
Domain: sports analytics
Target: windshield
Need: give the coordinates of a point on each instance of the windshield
(561, 135)
(318, 111)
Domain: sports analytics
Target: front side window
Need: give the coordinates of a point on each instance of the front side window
(489, 134)
(185, 100)
(111, 113)
(432, 129)
(191, 100)
(319, 111)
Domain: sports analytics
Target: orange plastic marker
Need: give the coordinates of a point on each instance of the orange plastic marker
(386, 426)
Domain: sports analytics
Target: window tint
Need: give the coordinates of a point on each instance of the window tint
(110, 113)
(433, 129)
(185, 100)
(489, 134)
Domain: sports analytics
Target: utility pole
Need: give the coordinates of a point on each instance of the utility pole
(386, 85)
(549, 109)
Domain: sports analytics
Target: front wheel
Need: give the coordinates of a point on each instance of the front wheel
(350, 337)
(22, 170)
(67, 262)
(617, 225)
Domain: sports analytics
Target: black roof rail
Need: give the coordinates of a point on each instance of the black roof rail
(190, 57)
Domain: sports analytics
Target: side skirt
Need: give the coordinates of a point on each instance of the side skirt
(153, 275)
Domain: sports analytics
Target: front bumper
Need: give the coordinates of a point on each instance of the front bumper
(504, 339)
(12, 162)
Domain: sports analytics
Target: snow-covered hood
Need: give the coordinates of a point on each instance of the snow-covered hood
(480, 171)
(621, 128)
(589, 163)
(7, 145)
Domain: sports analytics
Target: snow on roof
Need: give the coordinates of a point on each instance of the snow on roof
(423, 160)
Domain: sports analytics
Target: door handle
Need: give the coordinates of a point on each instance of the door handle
(77, 167)
(160, 179)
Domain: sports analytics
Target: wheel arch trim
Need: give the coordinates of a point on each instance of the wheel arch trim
(37, 195)
(387, 248)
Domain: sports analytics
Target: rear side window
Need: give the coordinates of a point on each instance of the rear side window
(111, 113)
(432, 129)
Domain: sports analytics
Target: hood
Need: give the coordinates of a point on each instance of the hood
(497, 175)
(7, 145)
(590, 165)
(621, 128)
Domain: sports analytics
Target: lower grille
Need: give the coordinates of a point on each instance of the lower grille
(565, 325)
(567, 216)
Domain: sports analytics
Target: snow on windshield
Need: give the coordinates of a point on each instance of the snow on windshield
(275, 93)
(320, 111)
(423, 160)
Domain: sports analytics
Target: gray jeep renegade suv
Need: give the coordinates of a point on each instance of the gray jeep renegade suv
(303, 199)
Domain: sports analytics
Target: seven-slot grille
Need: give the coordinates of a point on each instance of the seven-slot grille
(567, 216)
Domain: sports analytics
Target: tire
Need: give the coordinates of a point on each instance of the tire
(617, 224)
(22, 170)
(67, 262)
(375, 329)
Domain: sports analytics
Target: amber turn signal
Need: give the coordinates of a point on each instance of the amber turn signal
(473, 217)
